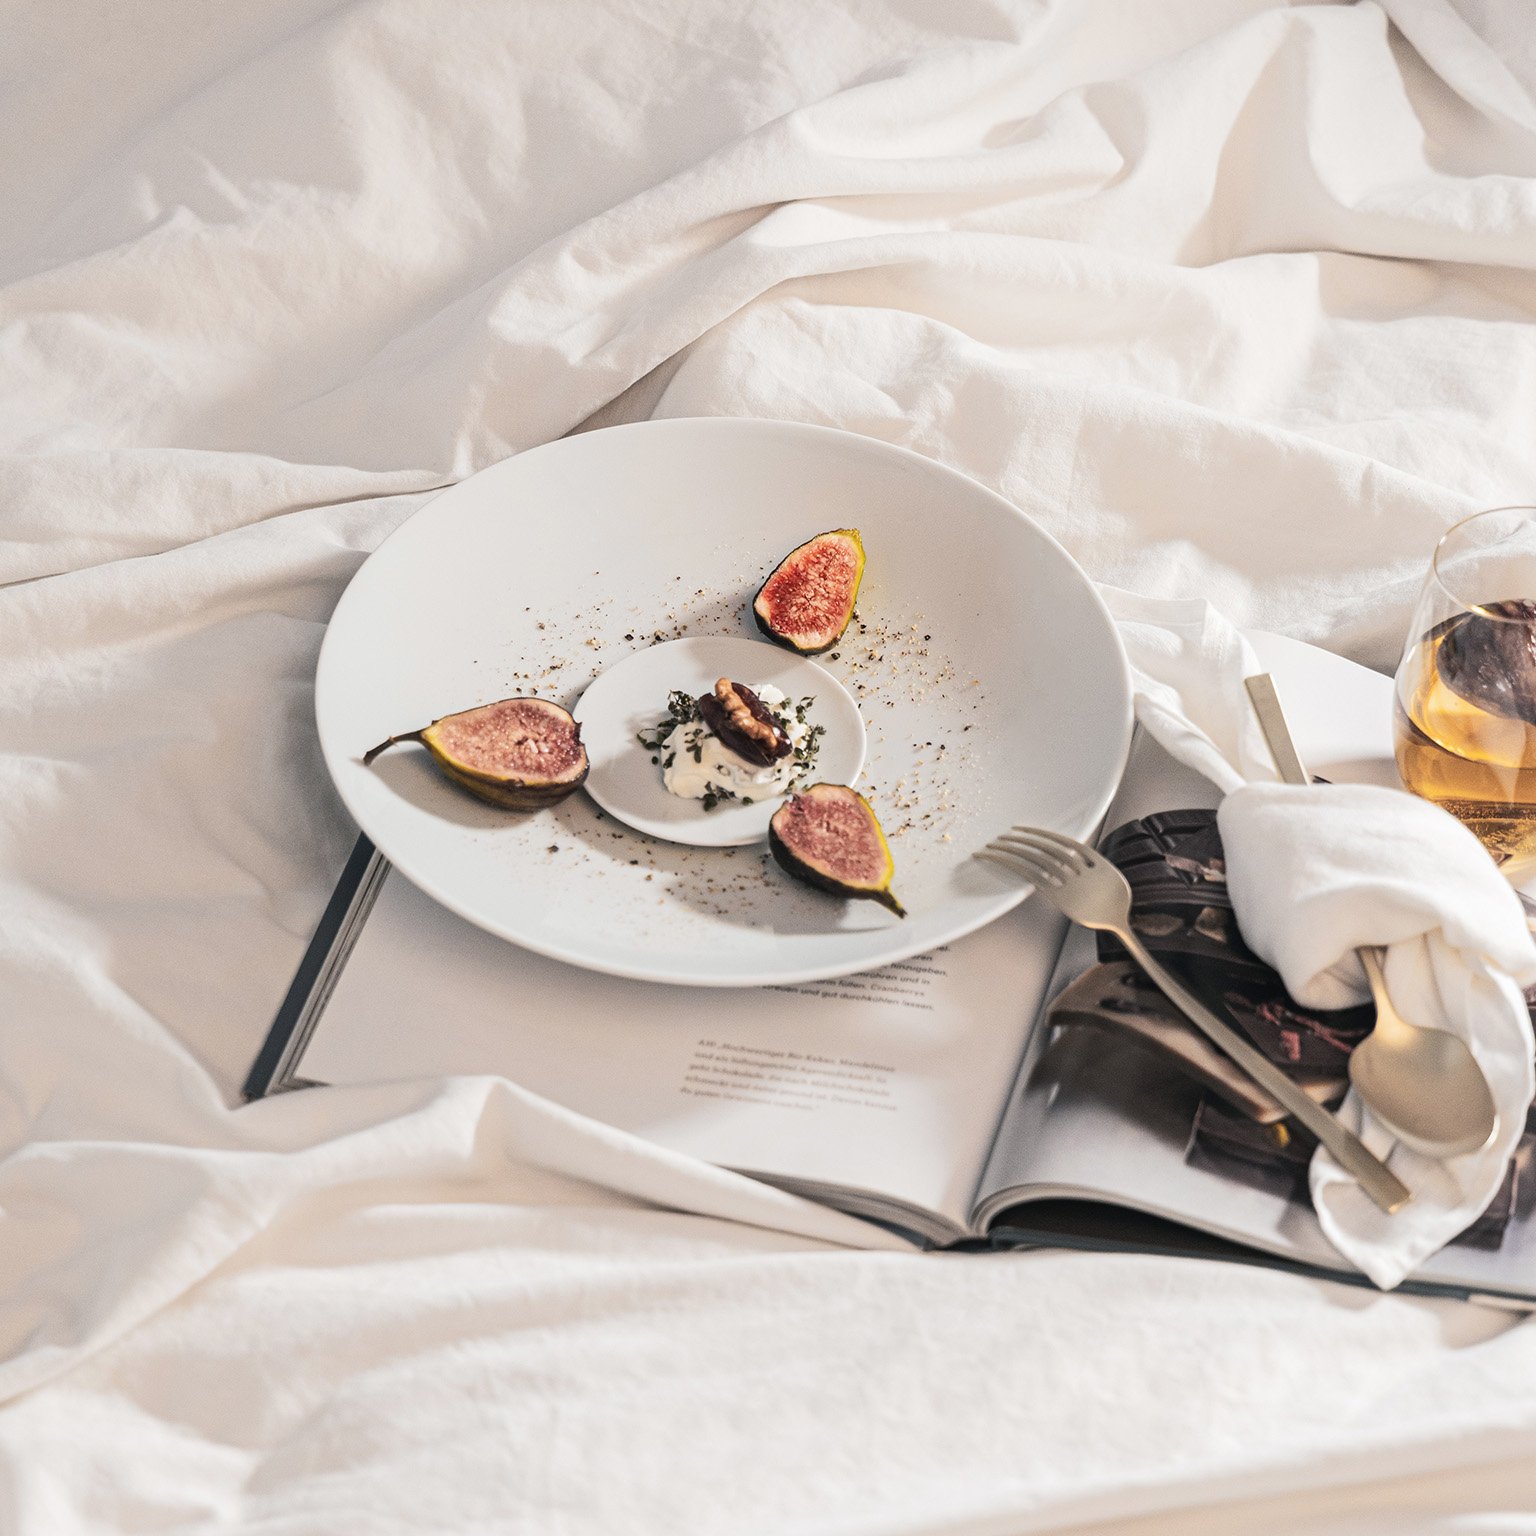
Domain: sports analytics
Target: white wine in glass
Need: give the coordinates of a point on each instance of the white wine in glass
(1465, 710)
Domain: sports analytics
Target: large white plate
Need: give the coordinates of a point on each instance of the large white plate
(990, 676)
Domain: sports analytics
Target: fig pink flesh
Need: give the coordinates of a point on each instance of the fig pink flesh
(833, 834)
(798, 600)
(515, 739)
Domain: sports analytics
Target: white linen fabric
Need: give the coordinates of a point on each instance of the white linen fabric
(1377, 866)
(1317, 872)
(1235, 299)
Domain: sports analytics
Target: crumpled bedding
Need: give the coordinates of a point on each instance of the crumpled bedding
(1236, 300)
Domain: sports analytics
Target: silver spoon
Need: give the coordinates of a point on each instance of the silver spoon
(1423, 1084)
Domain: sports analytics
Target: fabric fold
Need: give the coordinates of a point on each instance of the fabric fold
(1233, 299)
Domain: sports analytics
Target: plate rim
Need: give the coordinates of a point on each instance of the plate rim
(783, 976)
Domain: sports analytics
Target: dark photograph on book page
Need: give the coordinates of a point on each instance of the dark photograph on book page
(1183, 913)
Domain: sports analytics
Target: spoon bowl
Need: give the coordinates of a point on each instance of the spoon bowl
(1424, 1085)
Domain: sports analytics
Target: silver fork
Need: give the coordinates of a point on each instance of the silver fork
(1089, 889)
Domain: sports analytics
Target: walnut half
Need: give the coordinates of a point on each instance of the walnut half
(741, 720)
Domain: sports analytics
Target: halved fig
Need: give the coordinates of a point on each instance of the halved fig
(517, 753)
(830, 837)
(744, 723)
(808, 600)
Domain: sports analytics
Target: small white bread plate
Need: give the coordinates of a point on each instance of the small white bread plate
(631, 696)
(989, 676)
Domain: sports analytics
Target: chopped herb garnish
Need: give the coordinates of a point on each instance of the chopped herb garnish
(682, 709)
(810, 748)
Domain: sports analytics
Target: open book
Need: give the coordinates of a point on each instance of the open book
(930, 1096)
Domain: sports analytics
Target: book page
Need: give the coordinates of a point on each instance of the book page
(1026, 1149)
(891, 1082)
(1340, 716)
(1118, 1129)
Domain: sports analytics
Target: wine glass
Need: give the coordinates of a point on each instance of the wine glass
(1465, 705)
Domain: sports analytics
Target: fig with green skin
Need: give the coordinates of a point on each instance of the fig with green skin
(520, 754)
(808, 600)
(830, 837)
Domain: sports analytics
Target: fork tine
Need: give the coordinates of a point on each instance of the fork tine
(1021, 842)
(1014, 865)
(1011, 859)
(1067, 846)
(1057, 840)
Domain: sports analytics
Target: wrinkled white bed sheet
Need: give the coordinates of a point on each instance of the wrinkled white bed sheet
(1237, 301)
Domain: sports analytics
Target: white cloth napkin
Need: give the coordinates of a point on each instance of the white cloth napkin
(1315, 873)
